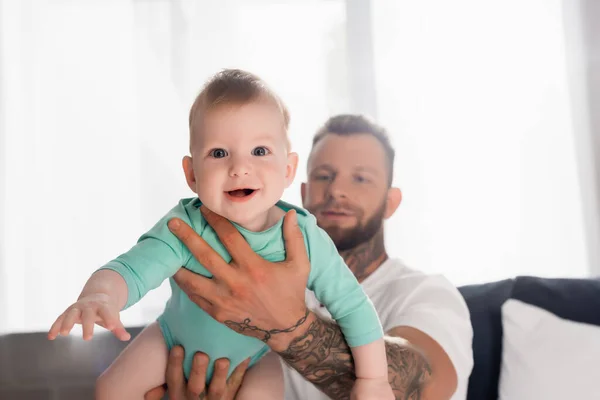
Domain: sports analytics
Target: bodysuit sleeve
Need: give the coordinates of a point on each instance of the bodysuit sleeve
(157, 255)
(338, 290)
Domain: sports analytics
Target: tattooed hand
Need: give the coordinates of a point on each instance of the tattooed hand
(252, 296)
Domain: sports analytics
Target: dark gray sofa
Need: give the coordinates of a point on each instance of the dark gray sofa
(34, 368)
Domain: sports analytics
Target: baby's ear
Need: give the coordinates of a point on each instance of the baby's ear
(188, 169)
(292, 165)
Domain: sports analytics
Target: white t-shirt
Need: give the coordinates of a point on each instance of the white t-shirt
(405, 297)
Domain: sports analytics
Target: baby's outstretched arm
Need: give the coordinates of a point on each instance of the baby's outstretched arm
(100, 301)
(122, 282)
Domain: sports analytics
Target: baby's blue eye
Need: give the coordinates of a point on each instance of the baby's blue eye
(360, 179)
(260, 151)
(218, 153)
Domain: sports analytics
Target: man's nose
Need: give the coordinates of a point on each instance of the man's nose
(337, 190)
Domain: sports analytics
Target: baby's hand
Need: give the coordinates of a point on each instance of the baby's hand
(372, 389)
(87, 311)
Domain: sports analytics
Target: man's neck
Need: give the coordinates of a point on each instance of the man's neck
(365, 258)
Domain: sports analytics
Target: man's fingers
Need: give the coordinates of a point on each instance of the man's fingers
(295, 248)
(197, 381)
(204, 304)
(231, 238)
(155, 394)
(201, 251)
(174, 376)
(218, 383)
(192, 284)
(237, 376)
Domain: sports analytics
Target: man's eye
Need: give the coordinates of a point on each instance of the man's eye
(322, 177)
(360, 179)
(260, 151)
(218, 153)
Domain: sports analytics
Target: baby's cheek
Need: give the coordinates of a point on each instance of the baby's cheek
(276, 168)
(207, 188)
(209, 176)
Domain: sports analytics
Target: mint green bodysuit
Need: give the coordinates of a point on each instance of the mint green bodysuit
(159, 254)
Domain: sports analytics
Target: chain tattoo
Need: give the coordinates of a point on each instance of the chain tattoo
(243, 326)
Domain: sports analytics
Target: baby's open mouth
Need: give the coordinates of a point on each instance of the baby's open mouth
(241, 192)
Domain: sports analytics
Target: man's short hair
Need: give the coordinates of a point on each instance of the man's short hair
(353, 124)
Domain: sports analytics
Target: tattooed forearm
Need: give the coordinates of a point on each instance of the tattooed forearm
(322, 356)
(408, 369)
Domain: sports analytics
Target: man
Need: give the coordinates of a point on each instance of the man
(349, 190)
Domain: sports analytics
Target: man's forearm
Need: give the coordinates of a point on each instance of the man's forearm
(322, 356)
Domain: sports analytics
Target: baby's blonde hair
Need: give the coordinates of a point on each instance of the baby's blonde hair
(234, 87)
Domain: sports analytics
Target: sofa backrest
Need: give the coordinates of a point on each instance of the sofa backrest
(35, 368)
(572, 299)
(485, 302)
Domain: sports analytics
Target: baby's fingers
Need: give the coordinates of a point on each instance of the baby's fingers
(108, 318)
(55, 328)
(120, 332)
(88, 319)
(112, 322)
(72, 316)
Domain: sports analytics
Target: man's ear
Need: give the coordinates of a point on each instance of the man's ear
(303, 192)
(394, 198)
(188, 169)
(292, 165)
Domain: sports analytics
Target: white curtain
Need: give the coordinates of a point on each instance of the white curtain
(477, 95)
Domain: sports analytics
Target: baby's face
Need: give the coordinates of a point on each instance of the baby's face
(240, 159)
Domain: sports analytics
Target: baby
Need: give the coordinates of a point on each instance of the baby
(240, 164)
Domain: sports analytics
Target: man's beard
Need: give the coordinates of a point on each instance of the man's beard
(350, 238)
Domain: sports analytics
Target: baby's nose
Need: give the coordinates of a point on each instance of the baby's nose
(239, 169)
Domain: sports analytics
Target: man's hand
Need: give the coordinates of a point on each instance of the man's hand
(220, 387)
(250, 295)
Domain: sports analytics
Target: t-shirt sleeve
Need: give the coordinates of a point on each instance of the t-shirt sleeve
(338, 290)
(431, 304)
(157, 255)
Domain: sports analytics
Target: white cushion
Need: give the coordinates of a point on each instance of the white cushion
(546, 357)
